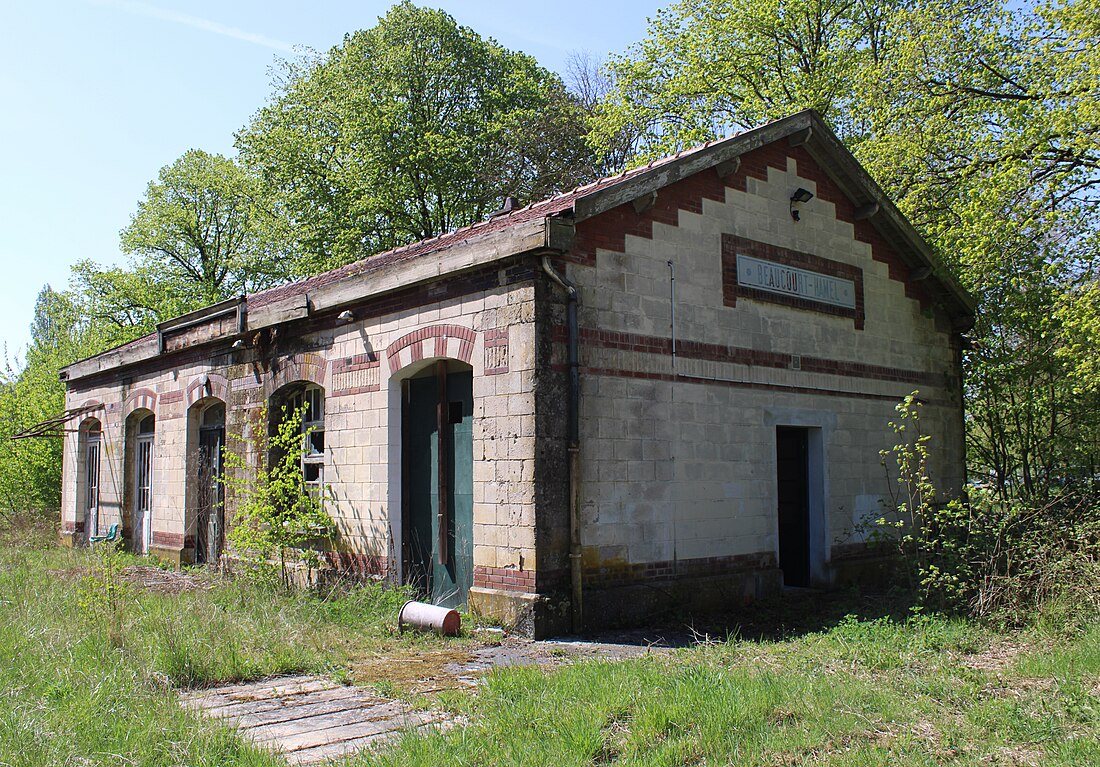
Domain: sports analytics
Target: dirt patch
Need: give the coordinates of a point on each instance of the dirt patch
(165, 581)
(146, 577)
(996, 657)
(414, 671)
(420, 671)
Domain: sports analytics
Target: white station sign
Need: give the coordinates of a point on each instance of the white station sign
(794, 282)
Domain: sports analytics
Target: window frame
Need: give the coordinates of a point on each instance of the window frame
(313, 434)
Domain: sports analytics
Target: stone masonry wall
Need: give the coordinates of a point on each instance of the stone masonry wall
(679, 467)
(485, 320)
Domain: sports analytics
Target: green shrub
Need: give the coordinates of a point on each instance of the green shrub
(1007, 560)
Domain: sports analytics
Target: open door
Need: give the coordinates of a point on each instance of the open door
(792, 475)
(437, 458)
(210, 522)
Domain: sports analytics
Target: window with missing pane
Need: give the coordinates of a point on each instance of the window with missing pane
(312, 399)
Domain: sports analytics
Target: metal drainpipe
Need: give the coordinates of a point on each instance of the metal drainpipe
(574, 444)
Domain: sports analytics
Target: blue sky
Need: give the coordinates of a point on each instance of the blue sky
(97, 95)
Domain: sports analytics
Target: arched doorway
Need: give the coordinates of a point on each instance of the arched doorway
(437, 481)
(142, 426)
(209, 490)
(89, 457)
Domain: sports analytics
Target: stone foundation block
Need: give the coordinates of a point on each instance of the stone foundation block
(532, 615)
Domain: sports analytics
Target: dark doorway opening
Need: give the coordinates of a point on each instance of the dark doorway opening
(437, 467)
(210, 527)
(793, 478)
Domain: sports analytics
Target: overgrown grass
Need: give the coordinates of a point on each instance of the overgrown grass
(90, 677)
(923, 691)
(89, 665)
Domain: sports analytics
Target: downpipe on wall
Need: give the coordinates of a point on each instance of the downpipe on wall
(573, 417)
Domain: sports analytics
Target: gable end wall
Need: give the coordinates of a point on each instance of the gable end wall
(678, 485)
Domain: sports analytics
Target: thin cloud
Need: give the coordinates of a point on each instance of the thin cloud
(152, 12)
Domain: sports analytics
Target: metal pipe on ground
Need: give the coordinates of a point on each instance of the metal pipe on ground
(421, 616)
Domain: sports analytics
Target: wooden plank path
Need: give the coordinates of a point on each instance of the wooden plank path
(310, 719)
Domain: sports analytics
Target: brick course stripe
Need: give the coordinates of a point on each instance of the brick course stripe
(620, 574)
(168, 540)
(617, 373)
(359, 565)
(609, 339)
(504, 578)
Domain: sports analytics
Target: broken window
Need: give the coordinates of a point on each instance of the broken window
(312, 397)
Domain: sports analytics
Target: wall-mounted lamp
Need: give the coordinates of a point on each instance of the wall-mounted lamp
(800, 195)
(238, 344)
(346, 316)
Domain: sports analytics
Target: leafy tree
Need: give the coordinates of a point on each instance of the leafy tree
(30, 469)
(200, 235)
(981, 119)
(591, 82)
(406, 131)
(710, 67)
(201, 225)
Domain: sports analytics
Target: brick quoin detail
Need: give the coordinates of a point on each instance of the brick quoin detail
(733, 245)
(496, 351)
(756, 164)
(358, 565)
(168, 540)
(609, 229)
(610, 339)
(620, 574)
(417, 338)
(504, 578)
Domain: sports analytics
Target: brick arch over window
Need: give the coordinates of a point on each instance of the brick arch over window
(308, 367)
(452, 341)
(208, 385)
(140, 399)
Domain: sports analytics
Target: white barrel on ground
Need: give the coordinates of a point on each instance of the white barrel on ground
(421, 616)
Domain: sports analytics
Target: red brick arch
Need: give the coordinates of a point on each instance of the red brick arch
(433, 341)
(207, 385)
(140, 399)
(309, 367)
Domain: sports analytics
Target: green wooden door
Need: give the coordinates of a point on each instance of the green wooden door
(438, 465)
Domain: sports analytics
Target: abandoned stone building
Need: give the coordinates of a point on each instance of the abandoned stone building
(668, 388)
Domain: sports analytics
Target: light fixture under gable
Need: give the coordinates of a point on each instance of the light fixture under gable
(800, 195)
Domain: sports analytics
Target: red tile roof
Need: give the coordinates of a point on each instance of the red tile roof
(551, 206)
